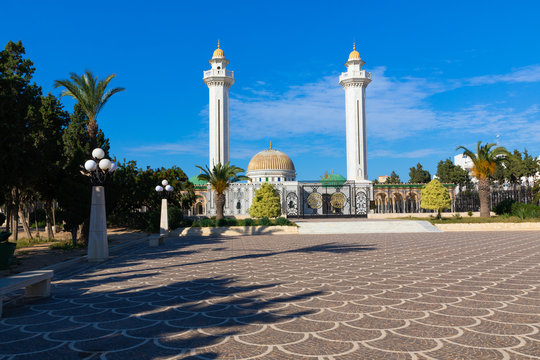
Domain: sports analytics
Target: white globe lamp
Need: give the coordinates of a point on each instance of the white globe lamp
(98, 153)
(105, 164)
(90, 165)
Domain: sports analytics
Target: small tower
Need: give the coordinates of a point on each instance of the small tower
(355, 81)
(219, 80)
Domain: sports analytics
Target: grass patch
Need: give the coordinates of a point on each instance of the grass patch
(25, 242)
(472, 220)
(66, 245)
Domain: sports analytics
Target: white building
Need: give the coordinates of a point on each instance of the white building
(273, 166)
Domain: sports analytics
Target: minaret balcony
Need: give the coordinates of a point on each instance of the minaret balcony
(362, 74)
(218, 72)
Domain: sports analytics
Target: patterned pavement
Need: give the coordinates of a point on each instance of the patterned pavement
(386, 296)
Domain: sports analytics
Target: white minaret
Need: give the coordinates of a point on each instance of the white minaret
(219, 80)
(355, 81)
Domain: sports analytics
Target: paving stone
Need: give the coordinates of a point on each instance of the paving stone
(346, 296)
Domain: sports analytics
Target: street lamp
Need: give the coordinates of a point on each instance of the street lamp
(98, 168)
(164, 192)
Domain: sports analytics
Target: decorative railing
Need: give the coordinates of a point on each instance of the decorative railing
(218, 72)
(355, 74)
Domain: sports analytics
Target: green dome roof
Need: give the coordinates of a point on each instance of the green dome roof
(196, 182)
(332, 180)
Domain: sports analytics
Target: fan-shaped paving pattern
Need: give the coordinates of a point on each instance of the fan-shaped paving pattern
(387, 296)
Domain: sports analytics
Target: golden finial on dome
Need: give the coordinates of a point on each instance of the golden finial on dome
(218, 43)
(270, 144)
(354, 55)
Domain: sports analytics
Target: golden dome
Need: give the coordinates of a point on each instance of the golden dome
(270, 160)
(218, 53)
(354, 55)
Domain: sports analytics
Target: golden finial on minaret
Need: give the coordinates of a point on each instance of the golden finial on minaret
(270, 144)
(354, 55)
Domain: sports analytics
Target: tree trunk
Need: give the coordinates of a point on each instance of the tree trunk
(53, 208)
(483, 194)
(25, 224)
(15, 213)
(220, 203)
(74, 236)
(50, 233)
(439, 214)
(92, 128)
(8, 216)
(35, 221)
(85, 230)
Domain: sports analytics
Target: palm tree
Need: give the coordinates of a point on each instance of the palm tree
(219, 178)
(91, 94)
(485, 161)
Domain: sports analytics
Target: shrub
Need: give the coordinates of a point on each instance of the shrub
(187, 222)
(147, 221)
(153, 219)
(175, 217)
(504, 207)
(470, 213)
(196, 223)
(231, 221)
(456, 216)
(282, 221)
(206, 222)
(525, 211)
(248, 222)
(265, 221)
(222, 222)
(435, 197)
(266, 202)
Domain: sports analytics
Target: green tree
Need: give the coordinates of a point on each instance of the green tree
(393, 179)
(530, 164)
(19, 119)
(50, 160)
(435, 197)
(91, 94)
(448, 173)
(76, 191)
(485, 162)
(219, 178)
(266, 202)
(417, 175)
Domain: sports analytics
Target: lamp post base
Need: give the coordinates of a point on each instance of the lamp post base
(164, 221)
(98, 246)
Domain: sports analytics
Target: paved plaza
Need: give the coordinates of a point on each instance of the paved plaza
(333, 297)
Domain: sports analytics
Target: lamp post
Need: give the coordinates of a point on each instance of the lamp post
(164, 192)
(98, 168)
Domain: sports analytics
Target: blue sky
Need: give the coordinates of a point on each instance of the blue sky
(444, 74)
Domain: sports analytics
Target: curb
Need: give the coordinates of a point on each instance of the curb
(235, 231)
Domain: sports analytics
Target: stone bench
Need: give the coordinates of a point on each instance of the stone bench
(36, 283)
(156, 240)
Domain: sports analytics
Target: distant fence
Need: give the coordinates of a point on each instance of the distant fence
(470, 201)
(464, 201)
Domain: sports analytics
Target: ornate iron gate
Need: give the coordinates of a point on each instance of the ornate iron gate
(317, 200)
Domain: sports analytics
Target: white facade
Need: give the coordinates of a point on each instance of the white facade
(464, 162)
(355, 82)
(219, 80)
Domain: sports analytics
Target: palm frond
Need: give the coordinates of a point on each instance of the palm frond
(221, 176)
(88, 90)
